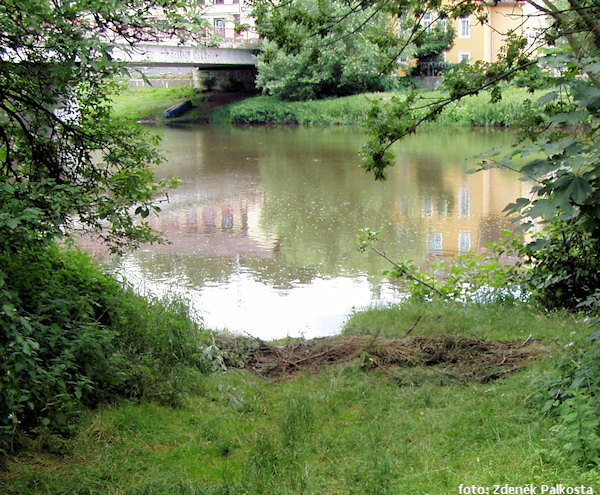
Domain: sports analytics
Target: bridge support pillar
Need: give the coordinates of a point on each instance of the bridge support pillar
(196, 79)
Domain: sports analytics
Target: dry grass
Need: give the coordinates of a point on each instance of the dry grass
(457, 357)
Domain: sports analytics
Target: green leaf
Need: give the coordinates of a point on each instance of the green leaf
(543, 208)
(548, 97)
(579, 189)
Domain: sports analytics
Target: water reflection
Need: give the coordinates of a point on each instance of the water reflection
(263, 227)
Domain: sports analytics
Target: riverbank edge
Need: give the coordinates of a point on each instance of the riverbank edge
(251, 109)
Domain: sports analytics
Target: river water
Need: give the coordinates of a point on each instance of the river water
(263, 227)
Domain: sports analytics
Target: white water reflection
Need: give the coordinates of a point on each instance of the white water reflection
(244, 304)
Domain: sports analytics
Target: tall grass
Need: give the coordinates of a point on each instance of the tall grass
(351, 110)
(479, 111)
(270, 110)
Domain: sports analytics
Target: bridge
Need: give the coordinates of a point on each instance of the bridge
(231, 56)
(228, 66)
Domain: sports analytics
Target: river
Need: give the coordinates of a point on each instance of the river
(263, 227)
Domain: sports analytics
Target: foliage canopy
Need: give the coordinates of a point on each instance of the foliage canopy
(69, 335)
(63, 163)
(315, 49)
(339, 60)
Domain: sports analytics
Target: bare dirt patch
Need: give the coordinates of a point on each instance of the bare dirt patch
(461, 358)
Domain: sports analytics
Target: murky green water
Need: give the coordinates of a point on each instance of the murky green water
(264, 224)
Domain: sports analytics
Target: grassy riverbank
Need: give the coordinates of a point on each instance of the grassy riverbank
(475, 110)
(346, 427)
(147, 105)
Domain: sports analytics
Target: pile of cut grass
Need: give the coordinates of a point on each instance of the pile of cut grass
(457, 357)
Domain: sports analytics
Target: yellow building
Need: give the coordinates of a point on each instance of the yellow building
(482, 41)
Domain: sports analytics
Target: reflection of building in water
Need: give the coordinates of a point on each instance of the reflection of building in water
(228, 227)
(208, 219)
(468, 215)
(227, 217)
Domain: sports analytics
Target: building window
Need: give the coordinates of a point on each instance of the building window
(464, 27)
(464, 202)
(464, 242)
(220, 27)
(427, 207)
(442, 207)
(464, 58)
(435, 243)
(399, 26)
(426, 21)
(237, 21)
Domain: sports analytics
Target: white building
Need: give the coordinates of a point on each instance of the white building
(231, 22)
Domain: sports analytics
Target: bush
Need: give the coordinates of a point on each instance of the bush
(72, 336)
(571, 393)
(343, 60)
(565, 267)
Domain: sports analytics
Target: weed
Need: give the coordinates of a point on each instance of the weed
(570, 392)
(351, 110)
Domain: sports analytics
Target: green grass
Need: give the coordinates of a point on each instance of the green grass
(493, 321)
(149, 103)
(340, 431)
(345, 429)
(478, 111)
(351, 110)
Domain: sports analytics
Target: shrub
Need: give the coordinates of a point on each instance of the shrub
(72, 336)
(565, 266)
(571, 393)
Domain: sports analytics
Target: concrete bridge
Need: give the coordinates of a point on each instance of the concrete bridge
(233, 55)
(229, 66)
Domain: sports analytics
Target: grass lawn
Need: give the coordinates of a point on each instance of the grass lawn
(346, 428)
(149, 103)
